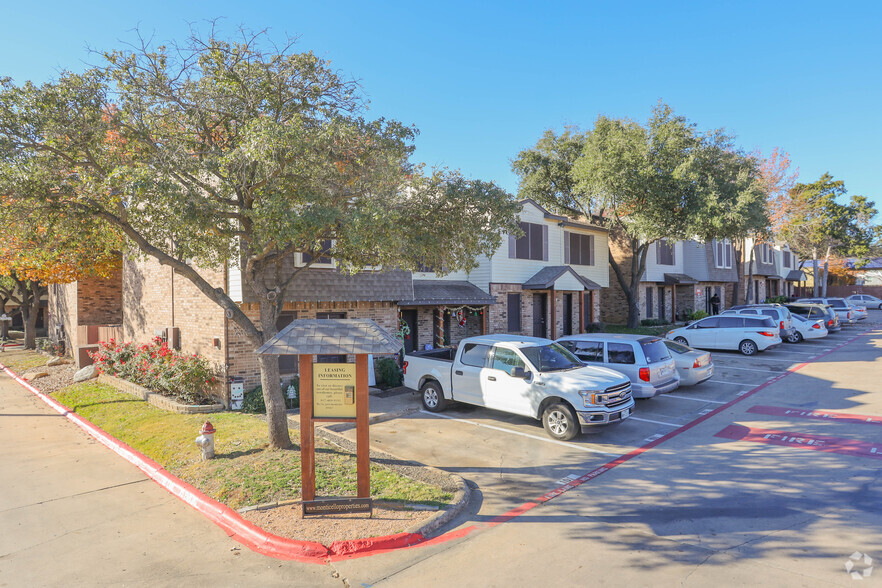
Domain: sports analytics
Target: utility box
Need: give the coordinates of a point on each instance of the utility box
(237, 393)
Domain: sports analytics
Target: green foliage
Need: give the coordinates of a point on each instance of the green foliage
(51, 347)
(652, 322)
(154, 366)
(254, 403)
(596, 327)
(777, 300)
(696, 315)
(388, 373)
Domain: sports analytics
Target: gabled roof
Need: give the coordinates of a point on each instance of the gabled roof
(564, 221)
(678, 279)
(545, 278)
(447, 292)
(795, 276)
(331, 337)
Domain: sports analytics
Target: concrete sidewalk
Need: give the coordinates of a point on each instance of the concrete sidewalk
(72, 512)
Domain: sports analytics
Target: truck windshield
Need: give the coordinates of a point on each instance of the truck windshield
(551, 358)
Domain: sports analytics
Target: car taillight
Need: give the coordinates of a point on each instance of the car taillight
(782, 324)
(767, 334)
(816, 326)
(848, 315)
(830, 323)
(644, 374)
(404, 368)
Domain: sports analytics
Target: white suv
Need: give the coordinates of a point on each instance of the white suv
(778, 313)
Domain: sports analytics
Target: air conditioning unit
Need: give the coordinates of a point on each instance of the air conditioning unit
(173, 337)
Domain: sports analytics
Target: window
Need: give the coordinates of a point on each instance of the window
(730, 322)
(589, 350)
(533, 245)
(708, 323)
(578, 249)
(421, 267)
(287, 363)
(787, 259)
(620, 353)
(664, 252)
(764, 253)
(655, 351)
(514, 313)
(722, 253)
(323, 259)
(507, 360)
(475, 355)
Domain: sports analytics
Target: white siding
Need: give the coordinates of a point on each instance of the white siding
(234, 283)
(656, 272)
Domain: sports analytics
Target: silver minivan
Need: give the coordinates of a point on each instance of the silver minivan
(645, 360)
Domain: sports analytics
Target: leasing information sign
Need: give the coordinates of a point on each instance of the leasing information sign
(333, 390)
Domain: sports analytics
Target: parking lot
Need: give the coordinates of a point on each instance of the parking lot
(510, 457)
(711, 483)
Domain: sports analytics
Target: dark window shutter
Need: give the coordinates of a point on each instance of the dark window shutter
(658, 252)
(590, 249)
(544, 243)
(567, 247)
(512, 247)
(522, 248)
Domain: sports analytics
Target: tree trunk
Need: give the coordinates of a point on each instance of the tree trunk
(750, 284)
(631, 283)
(4, 325)
(736, 291)
(814, 272)
(826, 273)
(276, 410)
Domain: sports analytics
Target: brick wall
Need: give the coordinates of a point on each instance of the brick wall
(62, 310)
(99, 300)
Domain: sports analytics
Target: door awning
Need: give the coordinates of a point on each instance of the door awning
(559, 277)
(795, 276)
(447, 293)
(678, 279)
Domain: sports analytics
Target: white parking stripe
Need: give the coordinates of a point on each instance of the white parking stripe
(633, 418)
(727, 367)
(504, 430)
(733, 383)
(688, 398)
(796, 352)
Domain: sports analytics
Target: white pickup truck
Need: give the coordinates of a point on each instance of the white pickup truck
(528, 376)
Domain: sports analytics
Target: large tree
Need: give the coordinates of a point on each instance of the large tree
(661, 180)
(217, 151)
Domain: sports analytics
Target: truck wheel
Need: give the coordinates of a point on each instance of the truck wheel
(433, 397)
(681, 340)
(747, 347)
(560, 422)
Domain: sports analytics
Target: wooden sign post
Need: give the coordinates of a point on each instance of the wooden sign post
(337, 393)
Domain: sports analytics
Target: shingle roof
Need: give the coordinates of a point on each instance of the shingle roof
(547, 276)
(331, 337)
(676, 279)
(438, 292)
(795, 276)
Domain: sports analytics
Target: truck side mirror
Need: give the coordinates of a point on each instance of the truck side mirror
(520, 372)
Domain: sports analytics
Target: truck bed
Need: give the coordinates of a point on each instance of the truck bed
(442, 354)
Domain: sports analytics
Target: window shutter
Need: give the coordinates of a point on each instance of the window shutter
(716, 257)
(590, 249)
(544, 242)
(658, 252)
(567, 237)
(728, 249)
(673, 260)
(512, 247)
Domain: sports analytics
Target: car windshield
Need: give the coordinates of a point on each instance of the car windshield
(838, 303)
(551, 358)
(676, 347)
(655, 351)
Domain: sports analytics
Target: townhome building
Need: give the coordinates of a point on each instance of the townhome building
(788, 268)
(762, 268)
(712, 265)
(545, 283)
(664, 282)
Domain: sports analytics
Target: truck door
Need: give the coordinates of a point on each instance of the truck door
(467, 375)
(504, 392)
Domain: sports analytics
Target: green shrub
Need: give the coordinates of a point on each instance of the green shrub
(777, 300)
(252, 402)
(698, 314)
(653, 322)
(597, 327)
(388, 373)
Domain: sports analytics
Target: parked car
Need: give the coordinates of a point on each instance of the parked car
(808, 329)
(743, 333)
(527, 376)
(866, 300)
(644, 360)
(861, 311)
(779, 313)
(847, 315)
(817, 311)
(694, 366)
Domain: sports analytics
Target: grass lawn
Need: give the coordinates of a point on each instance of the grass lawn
(20, 361)
(659, 331)
(245, 471)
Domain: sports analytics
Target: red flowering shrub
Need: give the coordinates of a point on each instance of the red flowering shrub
(157, 368)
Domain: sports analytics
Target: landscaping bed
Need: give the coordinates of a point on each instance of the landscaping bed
(245, 471)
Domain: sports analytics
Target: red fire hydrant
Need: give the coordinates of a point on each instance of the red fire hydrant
(205, 441)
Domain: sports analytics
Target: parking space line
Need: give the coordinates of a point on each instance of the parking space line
(504, 430)
(694, 399)
(733, 383)
(655, 422)
(796, 352)
(727, 367)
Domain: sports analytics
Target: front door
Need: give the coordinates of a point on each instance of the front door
(661, 303)
(409, 316)
(540, 309)
(567, 314)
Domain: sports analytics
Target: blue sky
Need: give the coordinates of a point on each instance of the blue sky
(483, 80)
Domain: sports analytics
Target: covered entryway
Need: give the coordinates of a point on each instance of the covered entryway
(540, 310)
(558, 284)
(443, 312)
